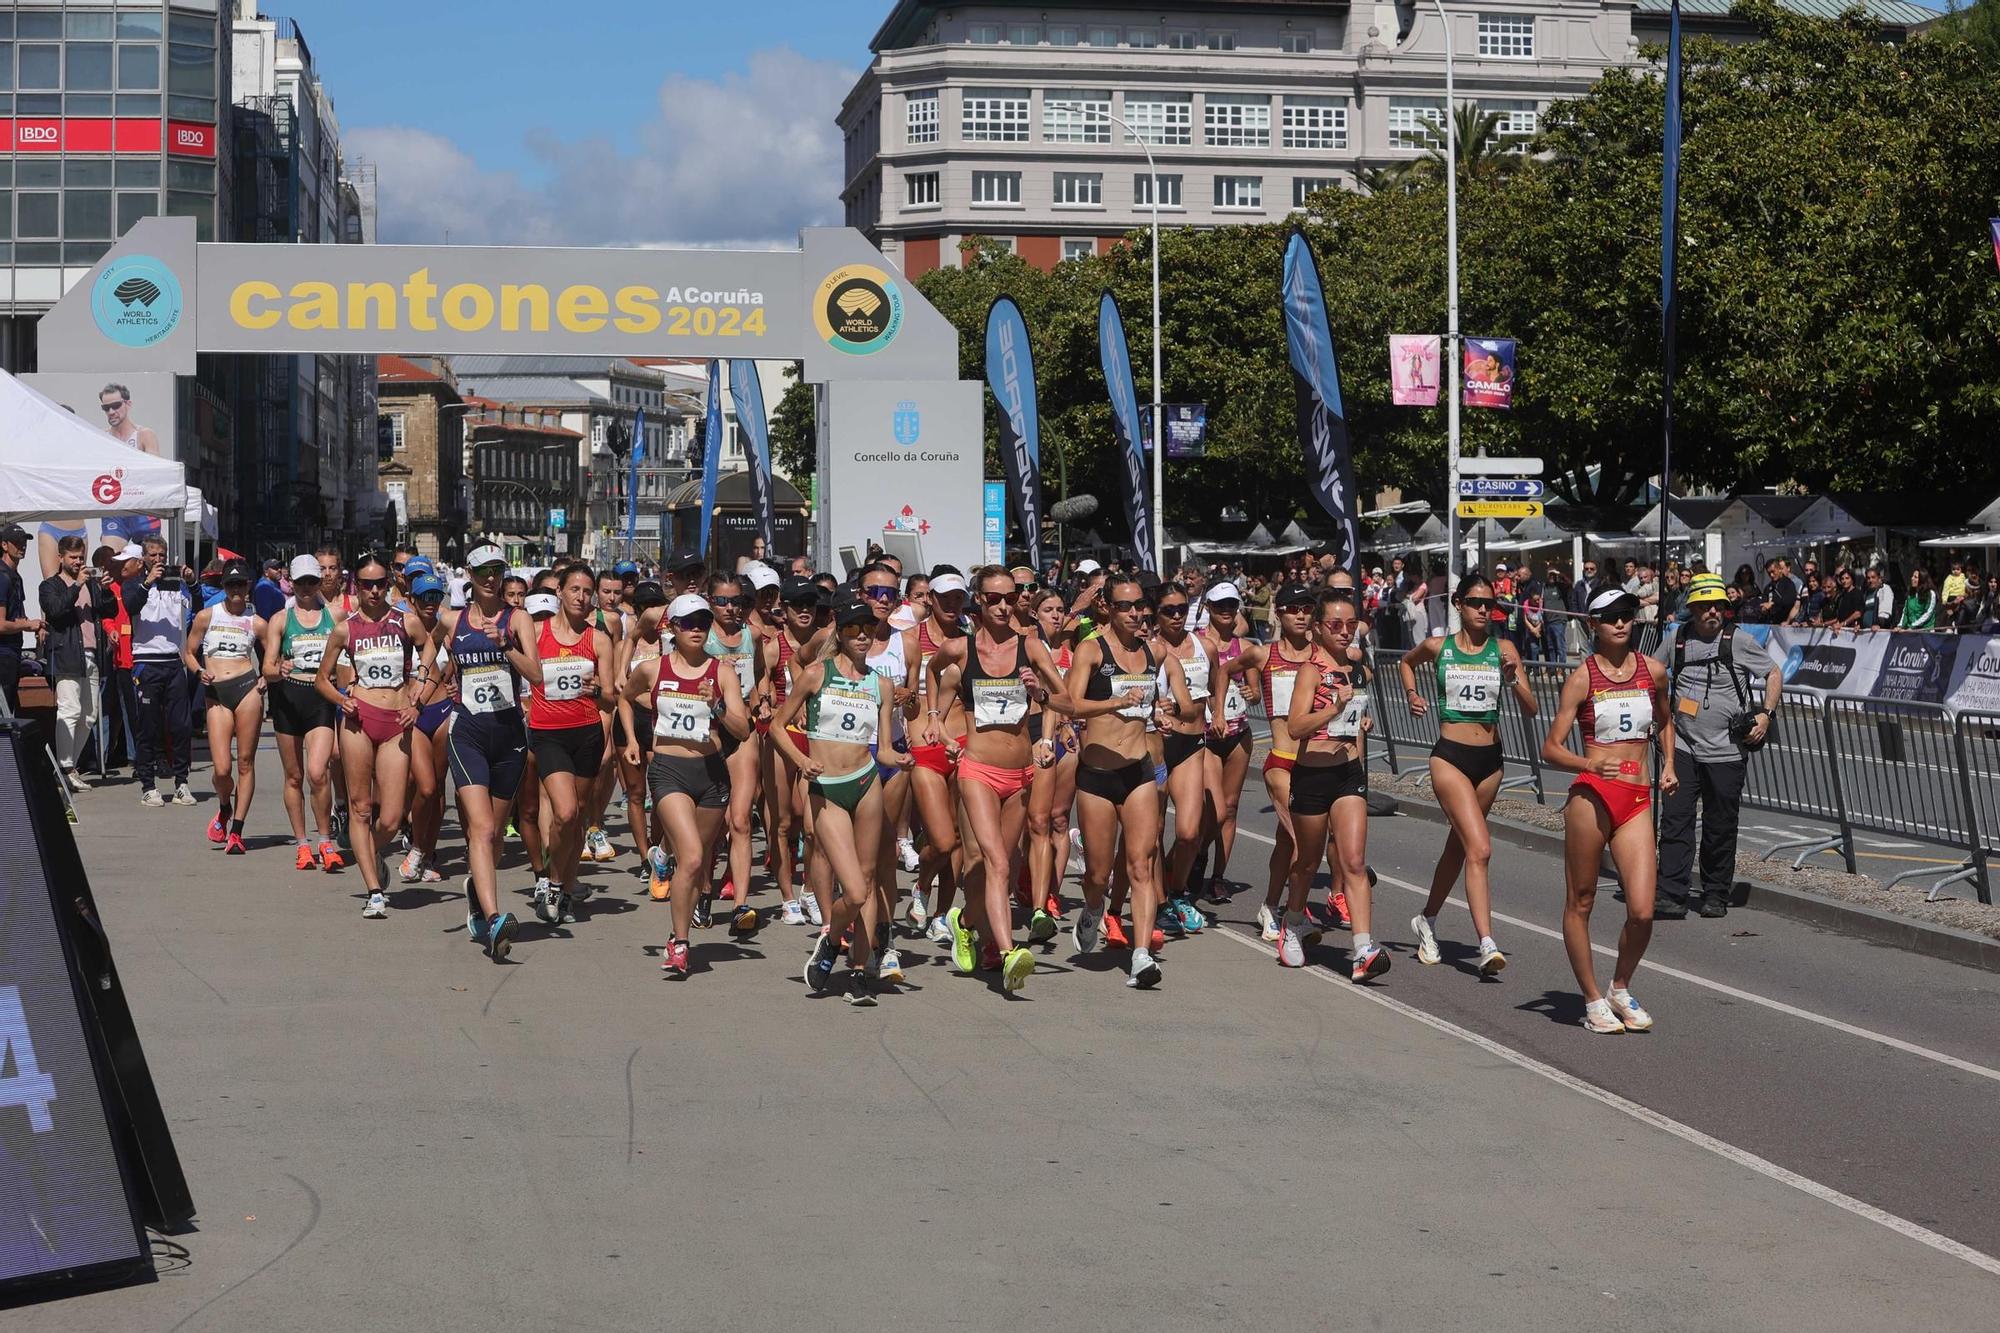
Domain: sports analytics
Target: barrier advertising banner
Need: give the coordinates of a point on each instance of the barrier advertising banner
(1960, 671)
(1414, 360)
(1489, 372)
(1915, 668)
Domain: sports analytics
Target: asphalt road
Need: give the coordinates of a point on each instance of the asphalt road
(385, 1130)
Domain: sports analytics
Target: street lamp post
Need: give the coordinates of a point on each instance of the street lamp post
(1159, 452)
(1453, 556)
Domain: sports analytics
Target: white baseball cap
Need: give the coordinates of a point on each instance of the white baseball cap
(133, 551)
(945, 583)
(1224, 591)
(485, 555)
(761, 576)
(687, 604)
(1609, 598)
(541, 604)
(1088, 567)
(303, 566)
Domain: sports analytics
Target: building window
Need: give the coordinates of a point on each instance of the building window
(396, 437)
(41, 66)
(1304, 186)
(397, 501)
(1024, 34)
(1142, 191)
(1181, 39)
(921, 117)
(139, 67)
(1415, 123)
(87, 215)
(920, 190)
(87, 65)
(1160, 118)
(1103, 36)
(1078, 249)
(1237, 120)
(995, 188)
(1239, 192)
(1076, 115)
(995, 116)
(1315, 122)
(132, 207)
(1063, 35)
(1079, 189)
(1222, 41)
(1517, 124)
(191, 70)
(1507, 36)
(39, 216)
(983, 34)
(1296, 43)
(1143, 39)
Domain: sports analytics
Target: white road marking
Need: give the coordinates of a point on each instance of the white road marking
(1720, 988)
(1646, 1115)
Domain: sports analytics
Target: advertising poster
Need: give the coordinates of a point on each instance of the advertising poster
(1185, 431)
(996, 522)
(1915, 668)
(1489, 372)
(1975, 675)
(1414, 362)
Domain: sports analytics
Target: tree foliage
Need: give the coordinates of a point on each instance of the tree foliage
(1840, 313)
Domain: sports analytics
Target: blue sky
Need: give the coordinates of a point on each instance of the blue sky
(594, 122)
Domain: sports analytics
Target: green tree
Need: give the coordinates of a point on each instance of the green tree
(794, 434)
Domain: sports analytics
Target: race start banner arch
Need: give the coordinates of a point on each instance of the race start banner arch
(835, 304)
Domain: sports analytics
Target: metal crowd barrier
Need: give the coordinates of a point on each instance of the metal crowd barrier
(1976, 737)
(1895, 770)
(1790, 776)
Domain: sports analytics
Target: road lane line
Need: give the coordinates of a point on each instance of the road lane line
(1721, 988)
(1646, 1115)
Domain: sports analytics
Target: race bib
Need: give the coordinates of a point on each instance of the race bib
(1123, 682)
(746, 672)
(1282, 685)
(1235, 704)
(306, 655)
(1196, 670)
(847, 715)
(998, 703)
(1346, 724)
(379, 668)
(226, 641)
(1621, 717)
(487, 689)
(567, 678)
(1471, 689)
(682, 717)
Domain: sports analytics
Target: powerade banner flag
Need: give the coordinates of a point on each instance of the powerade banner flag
(1116, 358)
(632, 508)
(711, 453)
(1489, 372)
(748, 396)
(1316, 383)
(1414, 359)
(1010, 373)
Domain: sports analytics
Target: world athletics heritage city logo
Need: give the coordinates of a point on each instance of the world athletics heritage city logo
(136, 301)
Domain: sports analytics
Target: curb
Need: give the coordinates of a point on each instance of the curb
(1877, 927)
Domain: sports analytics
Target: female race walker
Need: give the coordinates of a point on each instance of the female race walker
(294, 643)
(1112, 687)
(1228, 757)
(687, 691)
(228, 636)
(1276, 666)
(1619, 697)
(492, 648)
(732, 639)
(375, 647)
(1472, 667)
(1330, 787)
(428, 759)
(643, 642)
(1054, 791)
(846, 708)
(566, 732)
(1191, 717)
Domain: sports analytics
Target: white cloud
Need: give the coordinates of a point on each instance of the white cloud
(745, 160)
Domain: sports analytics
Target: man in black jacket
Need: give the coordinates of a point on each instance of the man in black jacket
(160, 605)
(13, 613)
(74, 604)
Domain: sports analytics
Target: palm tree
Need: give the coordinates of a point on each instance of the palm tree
(1483, 150)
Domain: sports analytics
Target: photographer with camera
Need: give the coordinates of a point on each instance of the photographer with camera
(160, 604)
(1718, 721)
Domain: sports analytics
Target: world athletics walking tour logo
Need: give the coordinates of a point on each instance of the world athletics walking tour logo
(859, 309)
(136, 301)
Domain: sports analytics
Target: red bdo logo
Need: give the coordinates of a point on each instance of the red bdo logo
(39, 134)
(107, 488)
(191, 138)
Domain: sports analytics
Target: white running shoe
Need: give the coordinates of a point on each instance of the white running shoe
(1076, 851)
(182, 796)
(1145, 970)
(1491, 960)
(152, 799)
(889, 967)
(412, 867)
(812, 909)
(377, 908)
(1598, 1017)
(1427, 940)
(906, 854)
(1291, 947)
(792, 914)
(599, 846)
(1629, 1013)
(1267, 923)
(939, 931)
(920, 912)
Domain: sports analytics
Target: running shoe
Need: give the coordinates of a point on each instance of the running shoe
(990, 957)
(546, 906)
(1629, 1013)
(1190, 915)
(1016, 968)
(1158, 940)
(1337, 906)
(906, 854)
(500, 936)
(1168, 921)
(1041, 928)
(920, 912)
(889, 967)
(819, 967)
(182, 796)
(1076, 851)
(1218, 892)
(1053, 905)
(1427, 940)
(218, 830)
(378, 906)
(1598, 1016)
(412, 867)
(744, 922)
(1370, 962)
(704, 915)
(337, 822)
(1491, 960)
(962, 955)
(152, 799)
(1114, 934)
(674, 957)
(1267, 923)
(660, 883)
(600, 846)
(1291, 945)
(475, 920)
(938, 931)
(233, 846)
(792, 914)
(1309, 929)
(812, 909)
(431, 874)
(329, 857)
(1145, 971)
(1083, 933)
(305, 861)
(728, 893)
(858, 992)
(582, 893)
(566, 907)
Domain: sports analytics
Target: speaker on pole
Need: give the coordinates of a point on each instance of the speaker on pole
(86, 1159)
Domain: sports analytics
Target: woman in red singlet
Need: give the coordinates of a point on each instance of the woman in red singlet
(1618, 697)
(566, 729)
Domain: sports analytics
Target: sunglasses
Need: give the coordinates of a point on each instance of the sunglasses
(742, 601)
(398, 566)
(488, 571)
(371, 583)
(1340, 623)
(1173, 608)
(1128, 604)
(996, 598)
(699, 620)
(1227, 607)
(108, 408)
(879, 593)
(1477, 603)
(430, 599)
(1031, 586)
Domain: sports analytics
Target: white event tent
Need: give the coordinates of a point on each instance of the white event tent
(56, 467)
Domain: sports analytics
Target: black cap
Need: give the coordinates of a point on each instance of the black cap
(1295, 594)
(687, 558)
(794, 591)
(236, 571)
(14, 533)
(853, 611)
(647, 594)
